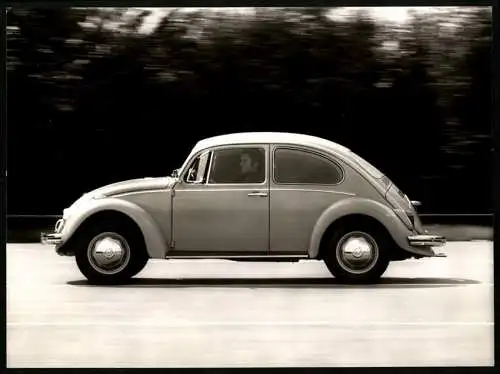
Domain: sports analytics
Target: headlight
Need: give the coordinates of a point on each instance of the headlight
(59, 225)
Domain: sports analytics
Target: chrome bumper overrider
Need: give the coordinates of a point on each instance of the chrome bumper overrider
(52, 238)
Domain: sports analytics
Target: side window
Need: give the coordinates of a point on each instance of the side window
(295, 166)
(238, 165)
(197, 171)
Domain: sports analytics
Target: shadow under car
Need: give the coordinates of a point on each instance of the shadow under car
(281, 283)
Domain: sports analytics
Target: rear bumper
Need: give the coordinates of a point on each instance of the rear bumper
(426, 240)
(51, 238)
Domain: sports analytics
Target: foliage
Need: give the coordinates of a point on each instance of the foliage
(93, 100)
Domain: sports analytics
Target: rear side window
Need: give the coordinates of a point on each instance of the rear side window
(302, 167)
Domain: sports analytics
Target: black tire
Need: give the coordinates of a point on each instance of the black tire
(139, 264)
(131, 252)
(343, 265)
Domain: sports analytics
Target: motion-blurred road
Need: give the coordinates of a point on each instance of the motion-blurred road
(430, 312)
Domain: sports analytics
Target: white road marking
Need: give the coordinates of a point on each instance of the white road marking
(247, 323)
(269, 282)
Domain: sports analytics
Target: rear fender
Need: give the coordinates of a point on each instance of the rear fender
(356, 205)
(155, 241)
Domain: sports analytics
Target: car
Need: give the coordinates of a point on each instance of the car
(261, 196)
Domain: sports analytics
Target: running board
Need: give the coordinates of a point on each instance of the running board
(265, 258)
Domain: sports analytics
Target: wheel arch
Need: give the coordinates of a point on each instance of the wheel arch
(121, 211)
(356, 220)
(353, 211)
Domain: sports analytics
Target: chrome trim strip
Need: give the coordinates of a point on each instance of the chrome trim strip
(129, 193)
(313, 190)
(223, 257)
(215, 189)
(249, 186)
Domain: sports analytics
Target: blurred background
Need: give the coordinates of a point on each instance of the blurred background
(98, 95)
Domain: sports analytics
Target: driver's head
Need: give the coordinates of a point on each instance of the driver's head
(249, 161)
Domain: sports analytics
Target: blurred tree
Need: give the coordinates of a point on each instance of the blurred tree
(92, 93)
(41, 50)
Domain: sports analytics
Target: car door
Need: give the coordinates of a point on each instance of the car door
(304, 184)
(219, 209)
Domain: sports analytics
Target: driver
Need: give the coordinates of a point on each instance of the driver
(251, 170)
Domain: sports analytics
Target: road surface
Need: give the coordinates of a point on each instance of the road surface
(430, 312)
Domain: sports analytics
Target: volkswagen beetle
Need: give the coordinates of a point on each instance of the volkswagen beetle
(249, 197)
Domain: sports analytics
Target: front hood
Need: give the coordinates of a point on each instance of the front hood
(128, 186)
(132, 185)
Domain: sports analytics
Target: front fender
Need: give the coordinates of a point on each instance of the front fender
(356, 205)
(155, 242)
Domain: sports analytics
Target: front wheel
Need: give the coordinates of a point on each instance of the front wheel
(110, 254)
(357, 255)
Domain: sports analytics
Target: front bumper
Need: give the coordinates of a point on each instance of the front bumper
(51, 238)
(54, 237)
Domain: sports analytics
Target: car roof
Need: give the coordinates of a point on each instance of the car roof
(271, 138)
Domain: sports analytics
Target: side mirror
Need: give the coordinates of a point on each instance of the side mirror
(175, 173)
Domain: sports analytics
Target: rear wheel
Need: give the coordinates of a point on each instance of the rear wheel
(357, 255)
(110, 253)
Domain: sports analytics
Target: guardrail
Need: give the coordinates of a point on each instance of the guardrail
(481, 219)
(420, 214)
(462, 226)
(457, 219)
(34, 216)
(456, 214)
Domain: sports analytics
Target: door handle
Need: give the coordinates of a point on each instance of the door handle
(257, 194)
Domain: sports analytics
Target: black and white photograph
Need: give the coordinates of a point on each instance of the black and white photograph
(249, 187)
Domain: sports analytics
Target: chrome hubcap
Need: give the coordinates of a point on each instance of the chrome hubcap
(108, 253)
(357, 252)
